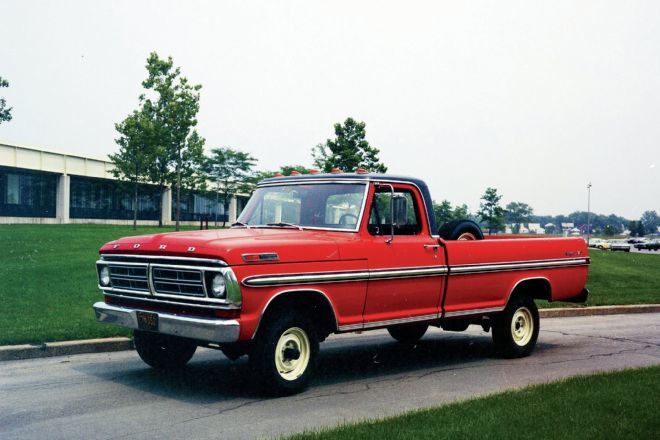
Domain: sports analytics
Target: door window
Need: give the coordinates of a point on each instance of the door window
(402, 209)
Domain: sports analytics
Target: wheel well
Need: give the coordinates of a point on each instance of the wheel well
(535, 288)
(312, 303)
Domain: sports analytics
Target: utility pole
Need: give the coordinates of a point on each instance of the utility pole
(588, 212)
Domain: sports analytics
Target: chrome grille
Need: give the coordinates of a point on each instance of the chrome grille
(174, 281)
(129, 277)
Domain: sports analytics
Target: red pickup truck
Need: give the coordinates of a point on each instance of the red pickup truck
(316, 254)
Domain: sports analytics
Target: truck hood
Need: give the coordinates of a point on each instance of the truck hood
(291, 245)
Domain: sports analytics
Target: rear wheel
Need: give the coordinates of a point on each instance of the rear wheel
(284, 353)
(163, 352)
(516, 329)
(408, 334)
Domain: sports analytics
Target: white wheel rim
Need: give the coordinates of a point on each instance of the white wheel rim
(466, 236)
(288, 366)
(522, 326)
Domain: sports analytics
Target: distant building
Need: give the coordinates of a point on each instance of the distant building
(39, 186)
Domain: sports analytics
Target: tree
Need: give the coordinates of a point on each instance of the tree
(135, 154)
(443, 213)
(518, 213)
(287, 169)
(349, 150)
(650, 221)
(229, 169)
(609, 230)
(462, 212)
(172, 107)
(5, 112)
(490, 210)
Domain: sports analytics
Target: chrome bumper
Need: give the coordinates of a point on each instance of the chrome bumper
(203, 329)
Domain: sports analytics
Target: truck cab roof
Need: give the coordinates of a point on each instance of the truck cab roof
(362, 177)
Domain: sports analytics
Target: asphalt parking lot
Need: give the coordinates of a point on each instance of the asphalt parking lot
(114, 395)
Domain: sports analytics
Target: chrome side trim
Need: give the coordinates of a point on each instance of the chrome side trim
(465, 269)
(374, 324)
(344, 276)
(473, 312)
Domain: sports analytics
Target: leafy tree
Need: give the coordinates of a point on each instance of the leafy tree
(518, 213)
(229, 169)
(609, 230)
(5, 112)
(349, 150)
(443, 212)
(490, 210)
(650, 221)
(287, 169)
(172, 105)
(462, 211)
(136, 153)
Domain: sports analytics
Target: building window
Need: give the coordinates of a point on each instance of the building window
(94, 198)
(197, 205)
(26, 193)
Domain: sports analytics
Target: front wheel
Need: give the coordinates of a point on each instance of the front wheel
(516, 329)
(284, 353)
(163, 352)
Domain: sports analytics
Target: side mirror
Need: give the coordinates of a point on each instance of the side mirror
(400, 210)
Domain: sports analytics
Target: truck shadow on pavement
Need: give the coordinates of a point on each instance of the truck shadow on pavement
(211, 377)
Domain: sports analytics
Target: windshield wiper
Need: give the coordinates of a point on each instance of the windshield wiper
(245, 225)
(285, 225)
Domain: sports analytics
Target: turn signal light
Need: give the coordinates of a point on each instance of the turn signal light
(279, 174)
(361, 171)
(335, 171)
(313, 171)
(295, 173)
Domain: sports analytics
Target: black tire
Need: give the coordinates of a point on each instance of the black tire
(408, 334)
(163, 352)
(280, 372)
(461, 230)
(511, 333)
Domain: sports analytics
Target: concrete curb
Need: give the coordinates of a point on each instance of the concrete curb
(599, 310)
(66, 348)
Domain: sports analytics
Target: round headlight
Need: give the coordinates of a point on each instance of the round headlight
(104, 276)
(218, 286)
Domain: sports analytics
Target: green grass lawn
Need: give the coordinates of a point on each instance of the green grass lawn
(621, 405)
(48, 280)
(623, 278)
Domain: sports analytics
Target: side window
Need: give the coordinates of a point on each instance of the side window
(406, 217)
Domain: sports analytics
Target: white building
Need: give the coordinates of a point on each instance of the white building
(40, 186)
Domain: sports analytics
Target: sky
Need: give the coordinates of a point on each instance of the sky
(536, 99)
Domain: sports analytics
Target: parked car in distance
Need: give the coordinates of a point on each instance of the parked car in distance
(619, 245)
(636, 240)
(599, 243)
(652, 245)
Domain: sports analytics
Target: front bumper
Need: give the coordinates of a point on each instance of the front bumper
(203, 329)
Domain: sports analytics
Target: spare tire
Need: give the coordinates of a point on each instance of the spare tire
(461, 229)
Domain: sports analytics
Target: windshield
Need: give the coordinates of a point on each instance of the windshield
(320, 205)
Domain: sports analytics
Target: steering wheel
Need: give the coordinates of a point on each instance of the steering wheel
(342, 219)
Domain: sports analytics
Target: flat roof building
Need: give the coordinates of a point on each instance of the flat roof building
(41, 186)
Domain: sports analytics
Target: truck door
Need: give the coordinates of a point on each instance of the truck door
(406, 264)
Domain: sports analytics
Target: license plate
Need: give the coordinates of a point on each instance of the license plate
(147, 321)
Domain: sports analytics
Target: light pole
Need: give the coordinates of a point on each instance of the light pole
(588, 212)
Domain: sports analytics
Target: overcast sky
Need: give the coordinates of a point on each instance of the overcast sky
(533, 98)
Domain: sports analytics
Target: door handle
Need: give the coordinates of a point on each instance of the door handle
(432, 246)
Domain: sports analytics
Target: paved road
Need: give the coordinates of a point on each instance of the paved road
(114, 395)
